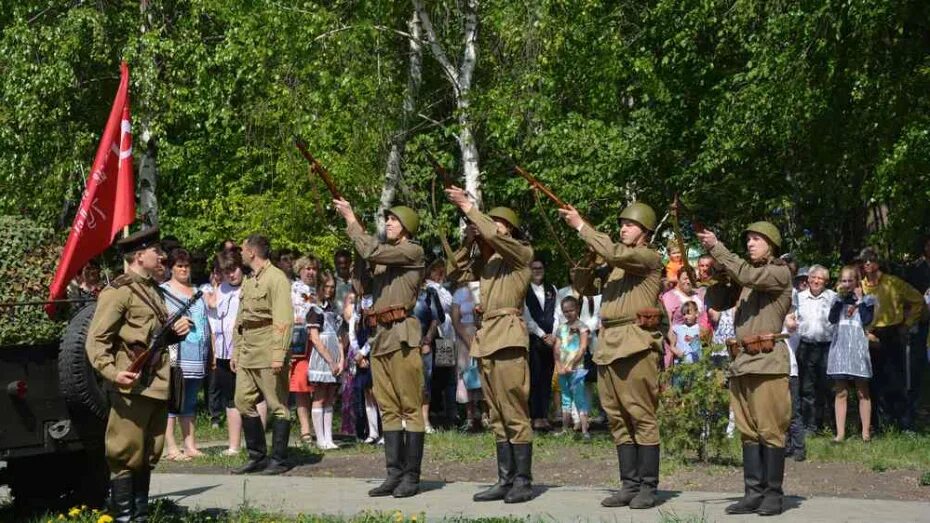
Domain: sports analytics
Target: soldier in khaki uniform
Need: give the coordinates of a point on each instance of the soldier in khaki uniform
(759, 395)
(397, 267)
(502, 340)
(128, 313)
(629, 348)
(262, 338)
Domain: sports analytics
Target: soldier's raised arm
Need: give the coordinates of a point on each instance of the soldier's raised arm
(762, 275)
(629, 258)
(517, 253)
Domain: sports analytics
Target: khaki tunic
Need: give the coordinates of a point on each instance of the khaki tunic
(761, 309)
(634, 283)
(502, 341)
(397, 271)
(128, 313)
(504, 280)
(266, 297)
(759, 394)
(627, 356)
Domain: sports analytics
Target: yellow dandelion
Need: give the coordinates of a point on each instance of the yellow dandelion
(413, 517)
(106, 518)
(83, 508)
(61, 516)
(399, 516)
(74, 512)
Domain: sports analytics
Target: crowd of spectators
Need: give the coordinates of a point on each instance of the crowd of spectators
(860, 329)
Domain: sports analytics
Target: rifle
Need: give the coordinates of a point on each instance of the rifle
(444, 175)
(318, 168)
(160, 339)
(536, 184)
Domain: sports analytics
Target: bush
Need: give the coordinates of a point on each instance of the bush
(28, 256)
(694, 408)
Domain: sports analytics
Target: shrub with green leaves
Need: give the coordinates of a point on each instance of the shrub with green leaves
(28, 256)
(693, 410)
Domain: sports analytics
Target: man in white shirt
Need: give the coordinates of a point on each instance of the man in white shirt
(815, 330)
(542, 315)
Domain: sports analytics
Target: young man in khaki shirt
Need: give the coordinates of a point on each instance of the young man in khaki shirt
(502, 341)
(628, 348)
(758, 374)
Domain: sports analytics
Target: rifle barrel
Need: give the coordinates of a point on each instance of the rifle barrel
(536, 184)
(319, 169)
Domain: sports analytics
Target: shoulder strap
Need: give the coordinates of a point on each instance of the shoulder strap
(148, 302)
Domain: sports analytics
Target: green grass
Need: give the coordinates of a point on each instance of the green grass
(165, 511)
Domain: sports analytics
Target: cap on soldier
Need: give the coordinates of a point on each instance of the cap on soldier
(767, 230)
(139, 240)
(406, 216)
(640, 213)
(507, 214)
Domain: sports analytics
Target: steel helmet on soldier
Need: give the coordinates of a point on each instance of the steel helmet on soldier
(507, 214)
(406, 216)
(767, 230)
(640, 213)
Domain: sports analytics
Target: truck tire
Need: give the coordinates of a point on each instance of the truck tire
(79, 383)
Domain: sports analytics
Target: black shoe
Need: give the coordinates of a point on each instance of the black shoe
(753, 479)
(393, 459)
(799, 455)
(505, 473)
(280, 434)
(648, 471)
(255, 442)
(773, 460)
(121, 499)
(140, 492)
(629, 477)
(413, 452)
(522, 489)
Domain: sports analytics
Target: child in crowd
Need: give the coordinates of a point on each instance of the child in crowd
(326, 361)
(571, 343)
(848, 362)
(359, 349)
(673, 265)
(685, 338)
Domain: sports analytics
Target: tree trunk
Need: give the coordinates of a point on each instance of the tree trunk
(393, 172)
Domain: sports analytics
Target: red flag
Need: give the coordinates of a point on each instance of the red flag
(109, 201)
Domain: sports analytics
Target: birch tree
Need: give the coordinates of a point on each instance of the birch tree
(393, 173)
(460, 78)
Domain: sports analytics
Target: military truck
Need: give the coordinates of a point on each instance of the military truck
(53, 409)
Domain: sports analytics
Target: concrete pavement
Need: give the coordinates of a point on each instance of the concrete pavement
(347, 496)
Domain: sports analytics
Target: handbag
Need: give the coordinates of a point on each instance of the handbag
(471, 377)
(175, 389)
(444, 352)
(299, 340)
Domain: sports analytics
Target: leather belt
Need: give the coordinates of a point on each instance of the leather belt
(246, 325)
(616, 322)
(497, 313)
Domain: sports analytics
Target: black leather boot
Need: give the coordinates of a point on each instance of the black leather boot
(281, 432)
(629, 477)
(773, 460)
(255, 442)
(753, 480)
(393, 459)
(522, 489)
(505, 473)
(648, 471)
(121, 499)
(413, 452)
(140, 492)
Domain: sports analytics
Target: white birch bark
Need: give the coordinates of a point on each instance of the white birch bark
(393, 172)
(461, 80)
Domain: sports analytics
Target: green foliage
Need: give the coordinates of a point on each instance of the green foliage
(811, 115)
(693, 408)
(925, 479)
(28, 257)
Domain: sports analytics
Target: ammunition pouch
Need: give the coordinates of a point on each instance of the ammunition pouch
(386, 317)
(752, 345)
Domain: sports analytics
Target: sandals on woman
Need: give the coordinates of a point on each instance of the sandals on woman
(177, 457)
(306, 439)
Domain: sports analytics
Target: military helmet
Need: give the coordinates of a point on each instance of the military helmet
(507, 214)
(406, 216)
(640, 213)
(766, 229)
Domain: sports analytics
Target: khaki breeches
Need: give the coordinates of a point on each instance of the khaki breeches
(398, 389)
(255, 385)
(135, 433)
(629, 392)
(505, 382)
(761, 406)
